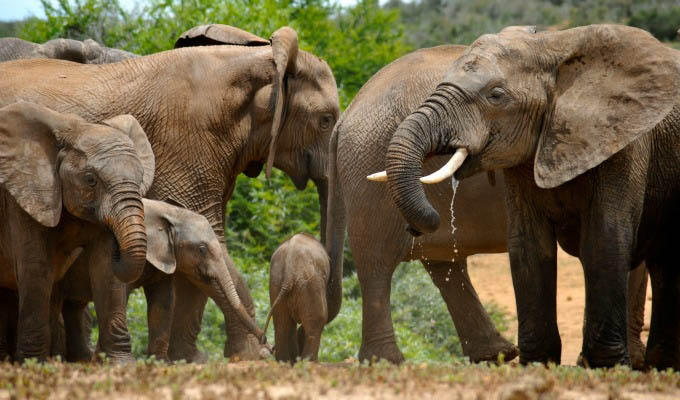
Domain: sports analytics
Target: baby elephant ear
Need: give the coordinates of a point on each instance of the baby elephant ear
(218, 34)
(130, 127)
(29, 143)
(613, 84)
(160, 248)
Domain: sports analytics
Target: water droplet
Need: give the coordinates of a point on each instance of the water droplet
(454, 186)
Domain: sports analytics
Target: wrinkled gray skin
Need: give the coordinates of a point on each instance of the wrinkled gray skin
(85, 52)
(210, 113)
(298, 276)
(360, 142)
(180, 243)
(585, 123)
(66, 183)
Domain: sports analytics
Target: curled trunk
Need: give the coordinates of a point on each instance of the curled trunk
(127, 225)
(409, 146)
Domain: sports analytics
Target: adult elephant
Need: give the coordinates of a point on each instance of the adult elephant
(85, 52)
(378, 238)
(585, 123)
(210, 113)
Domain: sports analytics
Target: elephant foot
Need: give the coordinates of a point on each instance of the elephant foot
(599, 362)
(246, 348)
(661, 358)
(83, 355)
(636, 350)
(494, 352)
(388, 351)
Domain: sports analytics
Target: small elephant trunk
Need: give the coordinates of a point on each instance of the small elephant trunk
(227, 295)
(127, 225)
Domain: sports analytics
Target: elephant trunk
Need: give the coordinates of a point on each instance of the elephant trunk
(127, 224)
(225, 295)
(334, 237)
(411, 143)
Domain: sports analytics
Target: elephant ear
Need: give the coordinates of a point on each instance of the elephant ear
(130, 127)
(160, 237)
(29, 143)
(218, 34)
(285, 50)
(613, 84)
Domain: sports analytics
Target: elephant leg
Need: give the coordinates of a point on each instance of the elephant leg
(285, 337)
(186, 322)
(9, 307)
(533, 263)
(110, 301)
(479, 337)
(160, 300)
(663, 346)
(606, 268)
(240, 344)
(313, 316)
(78, 324)
(35, 278)
(637, 293)
(377, 332)
(57, 329)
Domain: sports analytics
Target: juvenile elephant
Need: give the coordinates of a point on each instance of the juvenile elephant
(85, 52)
(378, 237)
(210, 113)
(585, 123)
(98, 172)
(180, 243)
(298, 277)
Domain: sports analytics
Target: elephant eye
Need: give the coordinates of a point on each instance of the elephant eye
(496, 95)
(203, 249)
(326, 122)
(90, 180)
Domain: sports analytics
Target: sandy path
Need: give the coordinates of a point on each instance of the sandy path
(490, 273)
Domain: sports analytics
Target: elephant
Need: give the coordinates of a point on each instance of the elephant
(359, 145)
(65, 182)
(584, 123)
(210, 113)
(298, 277)
(85, 52)
(180, 242)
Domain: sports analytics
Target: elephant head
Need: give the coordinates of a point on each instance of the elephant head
(98, 172)
(558, 102)
(182, 241)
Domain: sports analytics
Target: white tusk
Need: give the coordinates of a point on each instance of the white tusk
(448, 169)
(378, 177)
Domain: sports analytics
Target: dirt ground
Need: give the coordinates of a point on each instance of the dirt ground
(490, 274)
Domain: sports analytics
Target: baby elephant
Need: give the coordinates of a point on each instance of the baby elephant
(297, 291)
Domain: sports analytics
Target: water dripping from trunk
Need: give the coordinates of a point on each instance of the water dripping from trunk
(454, 185)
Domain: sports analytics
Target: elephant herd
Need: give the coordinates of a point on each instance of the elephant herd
(116, 169)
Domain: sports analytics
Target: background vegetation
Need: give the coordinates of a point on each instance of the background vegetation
(356, 41)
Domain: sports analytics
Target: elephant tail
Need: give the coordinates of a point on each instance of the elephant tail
(335, 228)
(285, 289)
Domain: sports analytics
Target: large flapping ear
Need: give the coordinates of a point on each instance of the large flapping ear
(130, 127)
(160, 237)
(612, 85)
(285, 51)
(218, 34)
(29, 143)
